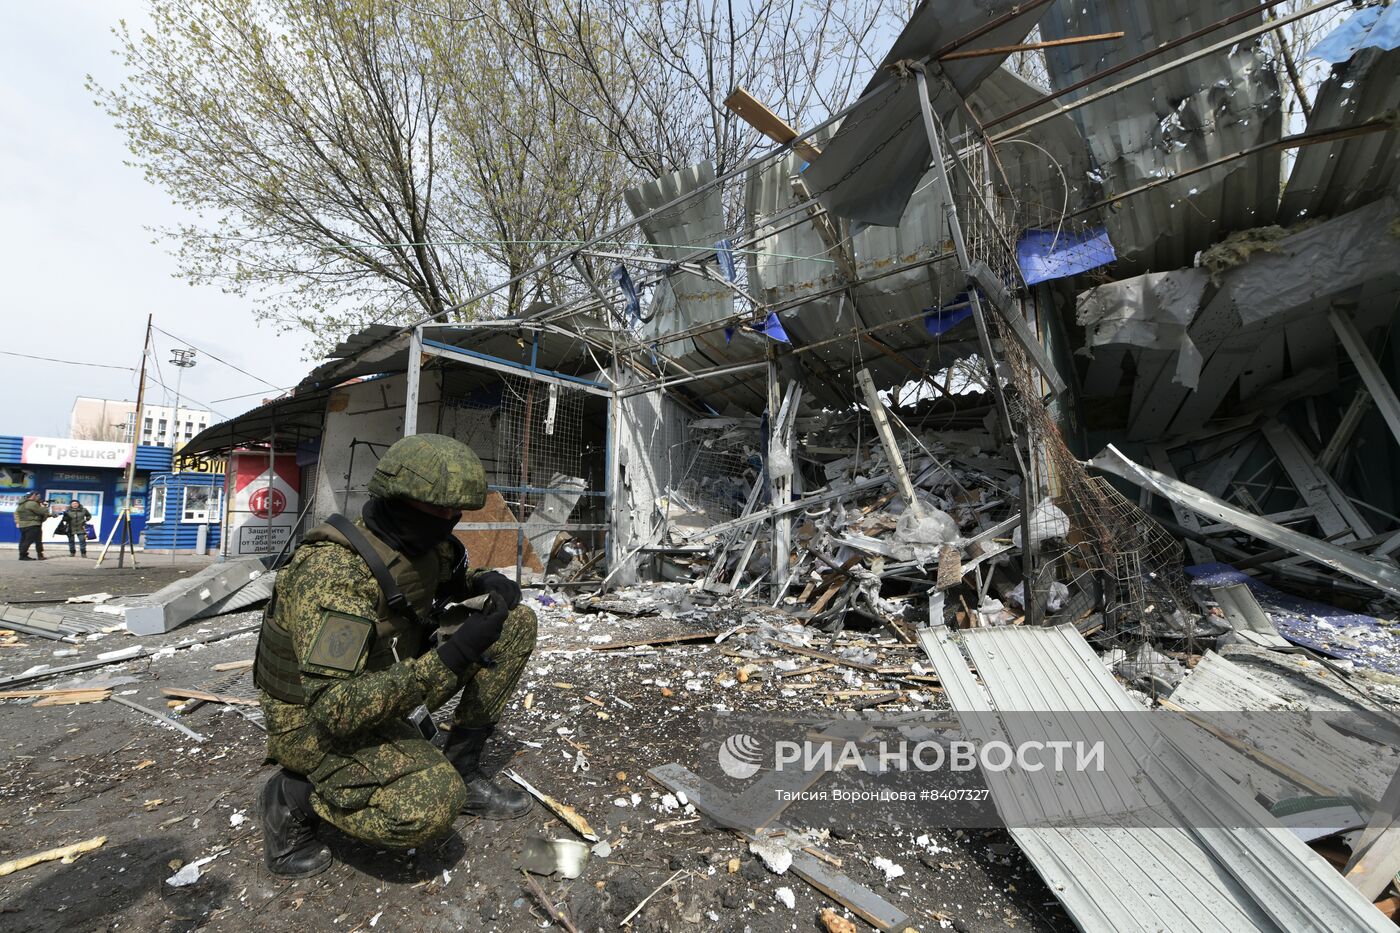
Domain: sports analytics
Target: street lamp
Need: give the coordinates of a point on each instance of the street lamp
(184, 359)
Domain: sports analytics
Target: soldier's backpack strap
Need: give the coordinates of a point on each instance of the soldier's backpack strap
(392, 594)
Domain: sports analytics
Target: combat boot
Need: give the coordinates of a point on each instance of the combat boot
(289, 828)
(485, 798)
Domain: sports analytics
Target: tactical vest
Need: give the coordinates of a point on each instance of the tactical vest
(400, 632)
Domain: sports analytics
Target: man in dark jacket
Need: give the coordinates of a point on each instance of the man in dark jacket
(30, 518)
(74, 525)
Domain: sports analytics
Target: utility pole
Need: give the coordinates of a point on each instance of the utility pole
(124, 517)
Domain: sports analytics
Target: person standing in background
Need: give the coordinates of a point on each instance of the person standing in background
(29, 518)
(74, 525)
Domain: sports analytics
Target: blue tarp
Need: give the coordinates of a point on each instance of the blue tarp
(1045, 255)
(1374, 27)
(938, 321)
(772, 328)
(1339, 633)
(724, 252)
(634, 301)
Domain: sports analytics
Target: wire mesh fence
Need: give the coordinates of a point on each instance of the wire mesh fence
(1123, 565)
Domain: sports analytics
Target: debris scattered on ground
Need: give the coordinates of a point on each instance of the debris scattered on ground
(65, 854)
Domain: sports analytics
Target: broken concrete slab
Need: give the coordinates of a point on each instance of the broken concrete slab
(183, 600)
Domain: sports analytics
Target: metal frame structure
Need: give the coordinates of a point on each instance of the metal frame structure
(422, 347)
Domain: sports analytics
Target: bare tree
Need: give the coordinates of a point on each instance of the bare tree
(382, 160)
(659, 70)
(349, 163)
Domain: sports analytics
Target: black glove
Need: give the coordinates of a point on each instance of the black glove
(493, 581)
(476, 632)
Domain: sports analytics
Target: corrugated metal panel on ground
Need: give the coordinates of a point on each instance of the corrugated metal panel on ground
(1129, 875)
(1186, 117)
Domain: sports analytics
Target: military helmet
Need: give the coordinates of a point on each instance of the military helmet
(431, 468)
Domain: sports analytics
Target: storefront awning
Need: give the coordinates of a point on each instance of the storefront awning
(284, 421)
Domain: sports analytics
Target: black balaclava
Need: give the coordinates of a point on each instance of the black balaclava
(409, 531)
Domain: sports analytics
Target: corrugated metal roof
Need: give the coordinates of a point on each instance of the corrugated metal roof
(1130, 875)
(291, 418)
(697, 223)
(1038, 191)
(875, 161)
(685, 300)
(1331, 178)
(1210, 108)
(363, 353)
(881, 298)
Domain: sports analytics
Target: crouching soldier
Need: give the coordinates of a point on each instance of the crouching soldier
(354, 643)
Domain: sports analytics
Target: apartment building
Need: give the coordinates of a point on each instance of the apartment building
(102, 419)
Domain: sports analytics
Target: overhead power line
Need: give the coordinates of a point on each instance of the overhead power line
(50, 359)
(219, 359)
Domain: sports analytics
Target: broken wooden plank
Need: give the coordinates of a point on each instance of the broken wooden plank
(1378, 866)
(659, 640)
(755, 114)
(823, 656)
(66, 854)
(36, 694)
(1335, 512)
(74, 699)
(571, 817)
(186, 693)
(234, 665)
(876, 408)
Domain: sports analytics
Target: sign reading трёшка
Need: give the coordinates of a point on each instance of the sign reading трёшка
(63, 451)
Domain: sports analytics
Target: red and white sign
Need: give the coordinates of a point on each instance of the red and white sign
(265, 502)
(63, 451)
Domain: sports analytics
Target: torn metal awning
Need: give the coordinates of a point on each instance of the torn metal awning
(284, 422)
(1189, 116)
(381, 348)
(1342, 174)
(875, 161)
(1382, 576)
(1129, 875)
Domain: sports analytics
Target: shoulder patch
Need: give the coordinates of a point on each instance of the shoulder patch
(340, 644)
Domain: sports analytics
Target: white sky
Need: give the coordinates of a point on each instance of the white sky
(78, 271)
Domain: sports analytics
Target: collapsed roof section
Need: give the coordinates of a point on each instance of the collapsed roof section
(1184, 118)
(875, 161)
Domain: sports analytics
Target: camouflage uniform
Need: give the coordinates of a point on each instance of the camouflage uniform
(374, 776)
